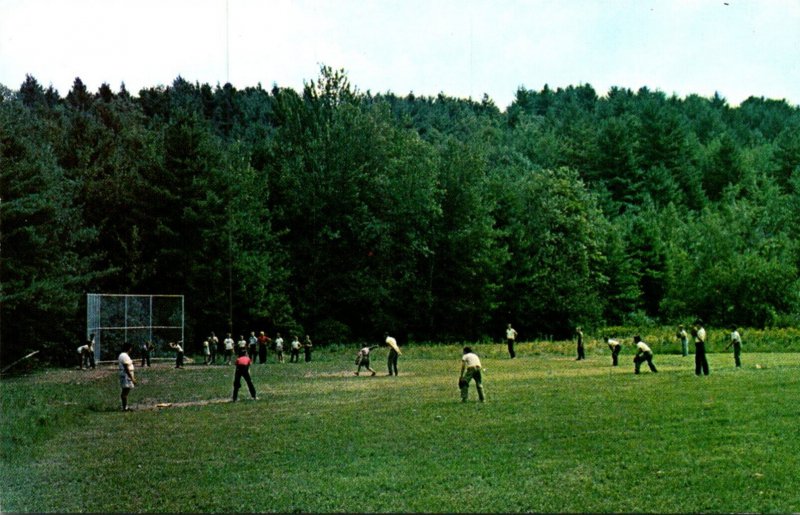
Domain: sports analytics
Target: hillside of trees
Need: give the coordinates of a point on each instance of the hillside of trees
(345, 214)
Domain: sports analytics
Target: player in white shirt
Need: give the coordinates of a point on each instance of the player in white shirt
(470, 369)
(394, 352)
(643, 353)
(700, 360)
(294, 350)
(279, 347)
(511, 337)
(736, 341)
(615, 346)
(228, 349)
(127, 380)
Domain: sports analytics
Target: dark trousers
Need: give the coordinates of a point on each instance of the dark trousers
(243, 372)
(251, 353)
(179, 360)
(295, 356)
(641, 358)
(308, 354)
(581, 354)
(700, 361)
(463, 384)
(262, 354)
(737, 354)
(615, 355)
(146, 358)
(213, 352)
(392, 362)
(510, 342)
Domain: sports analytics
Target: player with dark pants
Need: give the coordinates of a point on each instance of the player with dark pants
(643, 354)
(243, 371)
(615, 346)
(394, 352)
(581, 354)
(700, 360)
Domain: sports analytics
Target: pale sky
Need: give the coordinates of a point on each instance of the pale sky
(462, 48)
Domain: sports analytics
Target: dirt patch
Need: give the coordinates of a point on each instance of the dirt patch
(166, 405)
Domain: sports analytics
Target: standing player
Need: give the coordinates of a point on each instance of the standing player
(736, 341)
(470, 369)
(700, 360)
(279, 347)
(684, 339)
(579, 334)
(294, 356)
(307, 348)
(228, 343)
(206, 352)
(394, 352)
(252, 346)
(511, 337)
(127, 380)
(178, 354)
(147, 350)
(213, 346)
(263, 341)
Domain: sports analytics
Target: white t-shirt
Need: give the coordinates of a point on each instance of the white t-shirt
(279, 343)
(613, 343)
(125, 363)
(511, 333)
(471, 359)
(391, 342)
(178, 348)
(295, 344)
(736, 337)
(228, 343)
(242, 344)
(701, 335)
(643, 347)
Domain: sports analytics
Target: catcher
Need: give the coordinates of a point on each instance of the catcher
(470, 369)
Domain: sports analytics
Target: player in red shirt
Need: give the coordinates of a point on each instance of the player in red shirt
(243, 371)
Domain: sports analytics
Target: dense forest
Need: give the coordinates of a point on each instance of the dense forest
(345, 214)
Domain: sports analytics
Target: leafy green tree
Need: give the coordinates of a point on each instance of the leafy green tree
(553, 233)
(45, 267)
(468, 259)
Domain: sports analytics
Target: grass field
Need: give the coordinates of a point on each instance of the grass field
(555, 435)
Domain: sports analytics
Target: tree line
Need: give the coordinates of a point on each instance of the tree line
(344, 214)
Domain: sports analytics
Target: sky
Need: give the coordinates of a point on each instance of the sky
(462, 48)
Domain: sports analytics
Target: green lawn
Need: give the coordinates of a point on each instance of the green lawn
(555, 435)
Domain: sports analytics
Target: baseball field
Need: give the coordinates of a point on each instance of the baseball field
(555, 435)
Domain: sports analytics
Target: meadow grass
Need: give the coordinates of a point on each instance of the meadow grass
(555, 435)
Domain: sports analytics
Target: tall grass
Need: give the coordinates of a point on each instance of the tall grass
(555, 435)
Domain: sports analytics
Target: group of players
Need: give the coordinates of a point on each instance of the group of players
(248, 350)
(255, 347)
